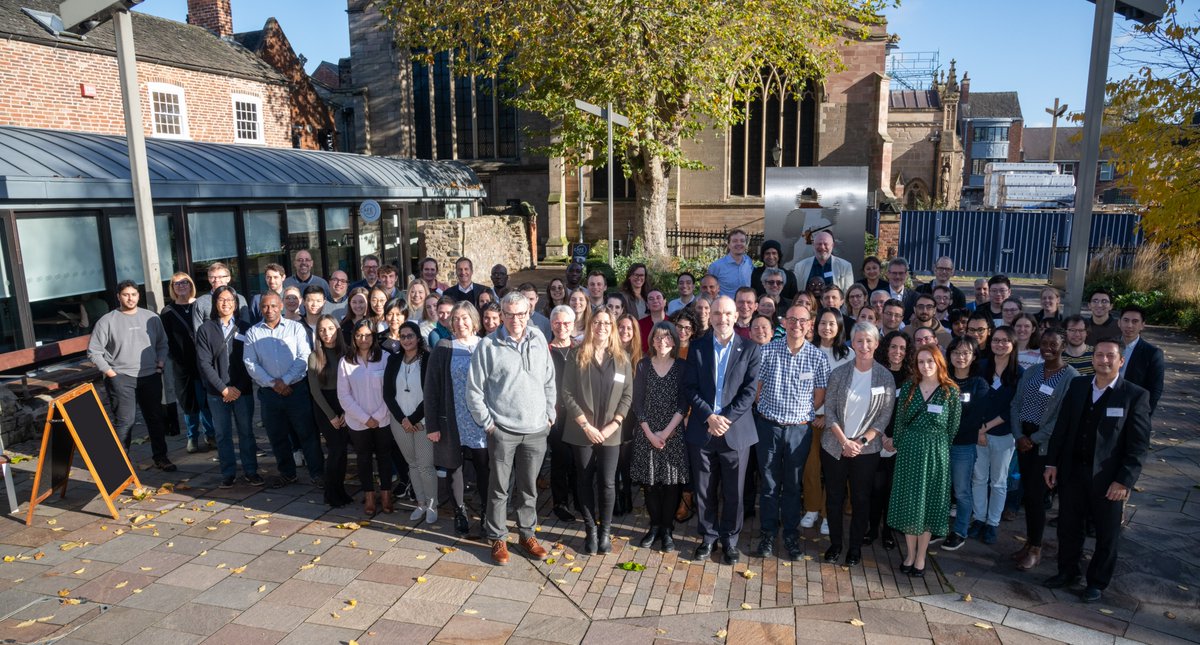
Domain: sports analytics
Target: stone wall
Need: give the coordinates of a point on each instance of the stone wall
(487, 240)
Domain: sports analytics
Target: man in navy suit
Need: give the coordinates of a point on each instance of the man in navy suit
(1144, 363)
(720, 383)
(1095, 457)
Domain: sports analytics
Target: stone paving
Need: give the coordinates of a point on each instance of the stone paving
(246, 565)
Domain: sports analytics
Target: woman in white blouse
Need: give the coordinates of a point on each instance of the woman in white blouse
(404, 392)
(360, 392)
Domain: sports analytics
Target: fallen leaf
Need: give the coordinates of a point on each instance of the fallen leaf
(221, 566)
(121, 585)
(660, 630)
(146, 568)
(421, 557)
(210, 503)
(746, 605)
(204, 552)
(960, 574)
(70, 601)
(335, 615)
(1169, 614)
(447, 549)
(1105, 611)
(787, 564)
(224, 521)
(550, 560)
(568, 556)
(748, 574)
(211, 528)
(422, 579)
(352, 642)
(67, 546)
(1182, 587)
(856, 622)
(807, 557)
(349, 526)
(721, 633)
(352, 603)
(10, 558)
(967, 598)
(561, 581)
(139, 519)
(471, 612)
(63, 593)
(238, 569)
(307, 566)
(188, 520)
(576, 569)
(262, 588)
(166, 488)
(353, 544)
(79, 571)
(632, 566)
(137, 591)
(51, 522)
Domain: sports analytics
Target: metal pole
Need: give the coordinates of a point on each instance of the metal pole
(609, 121)
(139, 172)
(1085, 189)
(579, 171)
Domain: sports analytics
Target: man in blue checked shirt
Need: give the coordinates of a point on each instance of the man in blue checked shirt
(276, 357)
(793, 375)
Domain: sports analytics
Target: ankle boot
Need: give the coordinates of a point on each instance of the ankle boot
(590, 545)
(649, 538)
(388, 501)
(604, 541)
(461, 525)
(1031, 559)
(684, 512)
(668, 540)
(369, 503)
(1020, 553)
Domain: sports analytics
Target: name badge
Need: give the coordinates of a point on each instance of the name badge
(878, 390)
(1115, 412)
(619, 377)
(1046, 389)
(965, 397)
(240, 337)
(829, 274)
(806, 376)
(933, 408)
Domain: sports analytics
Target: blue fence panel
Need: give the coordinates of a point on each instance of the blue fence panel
(1027, 240)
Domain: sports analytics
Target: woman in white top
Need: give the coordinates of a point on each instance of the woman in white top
(1027, 343)
(404, 392)
(829, 337)
(360, 392)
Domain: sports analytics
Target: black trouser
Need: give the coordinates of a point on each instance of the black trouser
(596, 469)
(562, 468)
(661, 502)
(860, 473)
(881, 491)
(373, 445)
(145, 392)
(1033, 494)
(750, 489)
(480, 463)
(336, 441)
(1079, 497)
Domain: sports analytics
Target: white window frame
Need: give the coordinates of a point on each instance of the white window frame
(258, 106)
(166, 88)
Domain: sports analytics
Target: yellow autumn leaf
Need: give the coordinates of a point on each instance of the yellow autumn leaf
(137, 591)
(63, 593)
(121, 585)
(352, 642)
(204, 553)
(79, 570)
(70, 601)
(568, 556)
(471, 612)
(317, 559)
(335, 615)
(576, 569)
(353, 544)
(447, 549)
(307, 566)
(422, 579)
(260, 522)
(10, 558)
(746, 605)
(316, 541)
(210, 503)
(51, 522)
(188, 520)
(146, 568)
(224, 521)
(748, 574)
(238, 569)
(421, 557)
(721, 633)
(967, 598)
(856, 622)
(211, 528)
(170, 545)
(262, 588)
(550, 560)
(352, 603)
(983, 625)
(221, 566)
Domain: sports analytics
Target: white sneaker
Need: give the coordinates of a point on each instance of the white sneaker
(298, 456)
(824, 527)
(809, 519)
(431, 512)
(417, 514)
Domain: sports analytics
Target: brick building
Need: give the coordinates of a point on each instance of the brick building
(927, 154)
(194, 85)
(991, 126)
(409, 109)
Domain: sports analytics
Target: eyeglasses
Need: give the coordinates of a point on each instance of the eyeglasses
(772, 281)
(792, 320)
(181, 283)
(516, 314)
(338, 280)
(683, 327)
(1001, 341)
(224, 276)
(407, 337)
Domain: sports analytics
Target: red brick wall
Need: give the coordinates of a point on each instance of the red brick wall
(214, 15)
(889, 235)
(307, 109)
(40, 88)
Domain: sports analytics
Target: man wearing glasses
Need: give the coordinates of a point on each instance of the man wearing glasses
(943, 271)
(924, 308)
(774, 282)
(218, 276)
(370, 273)
(339, 291)
(1101, 325)
(770, 253)
(511, 393)
(1077, 353)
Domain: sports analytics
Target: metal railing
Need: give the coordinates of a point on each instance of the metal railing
(693, 243)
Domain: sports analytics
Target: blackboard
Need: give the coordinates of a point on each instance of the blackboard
(77, 421)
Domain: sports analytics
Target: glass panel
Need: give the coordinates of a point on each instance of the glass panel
(10, 326)
(339, 240)
(369, 243)
(126, 247)
(391, 237)
(263, 245)
(64, 274)
(304, 234)
(212, 237)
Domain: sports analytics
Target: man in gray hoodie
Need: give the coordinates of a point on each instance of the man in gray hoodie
(511, 393)
(129, 346)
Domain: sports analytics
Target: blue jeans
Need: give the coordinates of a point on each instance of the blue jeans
(201, 424)
(782, 451)
(962, 465)
(283, 415)
(990, 479)
(224, 417)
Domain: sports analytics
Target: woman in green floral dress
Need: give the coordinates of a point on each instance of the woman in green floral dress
(927, 415)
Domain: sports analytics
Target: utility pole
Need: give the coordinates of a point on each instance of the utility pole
(1055, 113)
(610, 118)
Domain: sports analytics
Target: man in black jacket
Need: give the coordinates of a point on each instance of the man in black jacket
(1144, 363)
(1095, 457)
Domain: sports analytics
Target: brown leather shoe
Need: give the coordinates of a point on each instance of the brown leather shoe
(1020, 553)
(533, 549)
(1031, 559)
(387, 501)
(369, 503)
(500, 552)
(685, 510)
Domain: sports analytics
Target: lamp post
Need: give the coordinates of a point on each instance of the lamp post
(1145, 12)
(610, 118)
(82, 16)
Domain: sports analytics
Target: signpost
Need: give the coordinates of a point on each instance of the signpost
(609, 118)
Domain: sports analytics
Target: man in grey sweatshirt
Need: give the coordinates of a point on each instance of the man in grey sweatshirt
(129, 346)
(511, 393)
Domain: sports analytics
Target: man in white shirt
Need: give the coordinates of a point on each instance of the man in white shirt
(687, 293)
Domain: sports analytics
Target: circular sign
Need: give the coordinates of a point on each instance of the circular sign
(369, 210)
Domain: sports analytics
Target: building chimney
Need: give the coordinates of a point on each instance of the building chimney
(214, 15)
(965, 89)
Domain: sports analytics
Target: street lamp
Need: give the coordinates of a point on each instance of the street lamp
(610, 118)
(80, 17)
(1145, 12)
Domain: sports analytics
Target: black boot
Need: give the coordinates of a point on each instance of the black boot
(461, 525)
(649, 538)
(668, 541)
(604, 541)
(590, 545)
(171, 415)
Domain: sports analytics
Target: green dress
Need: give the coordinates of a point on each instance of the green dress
(920, 499)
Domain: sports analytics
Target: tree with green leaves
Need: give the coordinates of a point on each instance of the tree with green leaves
(673, 67)
(1153, 120)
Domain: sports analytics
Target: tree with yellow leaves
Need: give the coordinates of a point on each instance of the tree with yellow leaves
(673, 67)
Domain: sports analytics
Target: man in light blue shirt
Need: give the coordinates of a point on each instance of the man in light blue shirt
(734, 270)
(276, 357)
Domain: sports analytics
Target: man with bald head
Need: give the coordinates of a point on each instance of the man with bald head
(823, 264)
(303, 276)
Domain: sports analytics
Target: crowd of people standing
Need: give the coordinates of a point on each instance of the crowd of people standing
(878, 407)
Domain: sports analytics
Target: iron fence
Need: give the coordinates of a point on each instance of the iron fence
(691, 244)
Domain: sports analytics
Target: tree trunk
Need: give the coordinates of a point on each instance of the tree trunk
(652, 181)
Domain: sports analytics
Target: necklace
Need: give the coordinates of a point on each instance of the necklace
(406, 368)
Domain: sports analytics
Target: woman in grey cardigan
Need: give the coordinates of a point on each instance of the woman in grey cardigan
(1034, 412)
(858, 406)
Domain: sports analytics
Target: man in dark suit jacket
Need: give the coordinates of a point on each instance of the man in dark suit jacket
(720, 383)
(1095, 457)
(1144, 363)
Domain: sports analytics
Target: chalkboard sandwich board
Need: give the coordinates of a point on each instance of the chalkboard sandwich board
(76, 421)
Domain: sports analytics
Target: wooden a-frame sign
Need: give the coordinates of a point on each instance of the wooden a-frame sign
(78, 421)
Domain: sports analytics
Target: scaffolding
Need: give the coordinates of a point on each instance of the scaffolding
(913, 70)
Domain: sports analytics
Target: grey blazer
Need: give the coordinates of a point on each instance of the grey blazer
(1049, 413)
(883, 401)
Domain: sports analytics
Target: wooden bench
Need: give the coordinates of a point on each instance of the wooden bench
(31, 378)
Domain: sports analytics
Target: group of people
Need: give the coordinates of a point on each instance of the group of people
(796, 395)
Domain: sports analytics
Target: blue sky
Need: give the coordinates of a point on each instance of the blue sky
(1039, 48)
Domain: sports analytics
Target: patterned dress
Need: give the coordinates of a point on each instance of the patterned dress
(669, 465)
(470, 434)
(920, 498)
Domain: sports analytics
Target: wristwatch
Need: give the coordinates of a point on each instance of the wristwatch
(863, 440)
